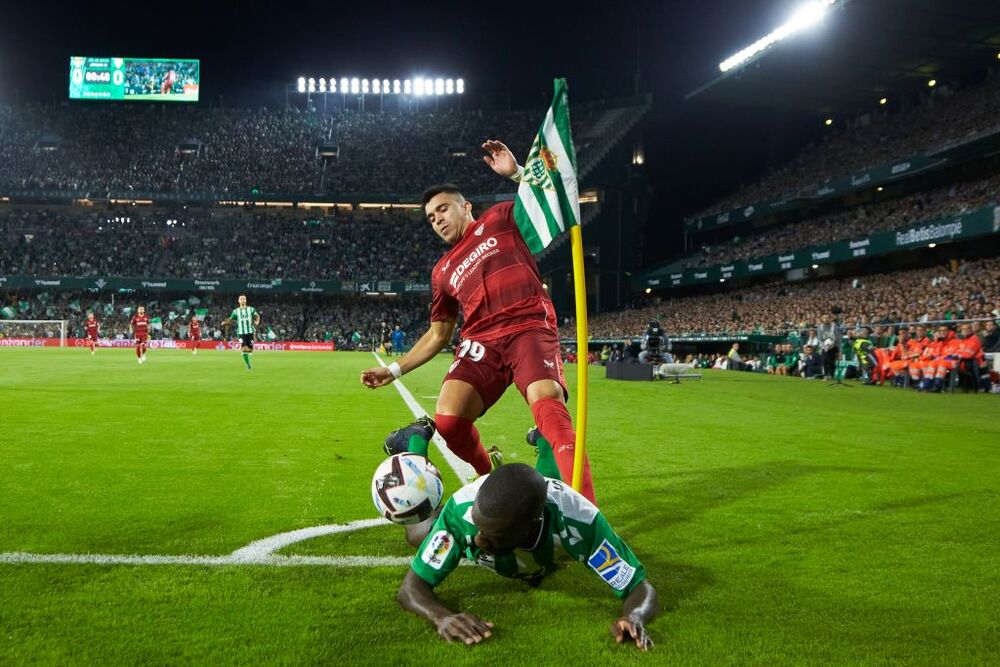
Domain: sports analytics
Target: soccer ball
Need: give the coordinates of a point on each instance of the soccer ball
(406, 488)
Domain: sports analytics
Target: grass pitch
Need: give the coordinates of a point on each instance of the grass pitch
(781, 520)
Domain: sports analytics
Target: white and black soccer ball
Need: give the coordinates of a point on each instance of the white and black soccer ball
(407, 488)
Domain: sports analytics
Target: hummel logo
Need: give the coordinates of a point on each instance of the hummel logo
(548, 364)
(446, 265)
(479, 230)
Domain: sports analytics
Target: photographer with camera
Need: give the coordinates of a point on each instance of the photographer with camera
(655, 346)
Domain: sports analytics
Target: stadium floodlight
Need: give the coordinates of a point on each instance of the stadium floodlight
(932, 83)
(385, 86)
(344, 85)
(333, 85)
(418, 86)
(312, 85)
(407, 86)
(364, 86)
(302, 84)
(395, 86)
(355, 86)
(805, 17)
(322, 85)
(460, 86)
(883, 101)
(376, 86)
(449, 86)
(439, 87)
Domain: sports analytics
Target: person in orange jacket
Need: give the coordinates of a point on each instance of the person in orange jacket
(946, 361)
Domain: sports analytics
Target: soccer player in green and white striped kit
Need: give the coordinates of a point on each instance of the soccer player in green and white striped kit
(521, 523)
(247, 320)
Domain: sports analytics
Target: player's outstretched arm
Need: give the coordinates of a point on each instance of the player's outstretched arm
(640, 607)
(422, 351)
(417, 596)
(500, 158)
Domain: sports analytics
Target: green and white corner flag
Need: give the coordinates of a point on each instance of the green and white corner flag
(548, 199)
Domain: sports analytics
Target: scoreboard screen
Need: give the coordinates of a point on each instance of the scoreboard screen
(152, 79)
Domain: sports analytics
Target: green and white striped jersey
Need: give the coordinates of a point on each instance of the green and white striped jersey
(244, 319)
(573, 529)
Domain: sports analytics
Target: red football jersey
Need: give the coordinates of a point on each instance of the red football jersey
(140, 323)
(195, 328)
(91, 327)
(491, 275)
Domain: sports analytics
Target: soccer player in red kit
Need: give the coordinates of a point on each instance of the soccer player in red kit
(93, 329)
(194, 334)
(509, 335)
(168, 82)
(139, 328)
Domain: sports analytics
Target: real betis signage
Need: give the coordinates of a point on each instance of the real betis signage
(114, 284)
(961, 227)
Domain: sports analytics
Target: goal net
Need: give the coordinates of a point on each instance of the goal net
(32, 333)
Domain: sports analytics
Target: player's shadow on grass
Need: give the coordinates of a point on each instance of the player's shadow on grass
(706, 490)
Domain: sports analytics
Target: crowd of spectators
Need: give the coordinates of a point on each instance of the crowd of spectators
(98, 148)
(351, 322)
(946, 115)
(966, 289)
(219, 243)
(854, 223)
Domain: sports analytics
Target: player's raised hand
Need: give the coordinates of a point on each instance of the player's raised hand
(499, 157)
(626, 629)
(464, 628)
(376, 377)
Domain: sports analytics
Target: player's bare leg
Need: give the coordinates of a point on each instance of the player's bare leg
(458, 405)
(548, 406)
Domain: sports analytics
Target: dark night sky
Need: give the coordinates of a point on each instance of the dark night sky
(250, 49)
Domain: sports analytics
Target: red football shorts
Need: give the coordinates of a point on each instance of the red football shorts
(520, 359)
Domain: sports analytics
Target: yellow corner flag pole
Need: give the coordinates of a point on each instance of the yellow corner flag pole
(580, 288)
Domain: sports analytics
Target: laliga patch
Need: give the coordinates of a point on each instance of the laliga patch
(612, 569)
(437, 549)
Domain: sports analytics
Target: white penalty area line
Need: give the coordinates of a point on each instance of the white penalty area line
(466, 473)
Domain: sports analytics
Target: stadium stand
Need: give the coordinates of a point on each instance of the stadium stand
(876, 138)
(155, 149)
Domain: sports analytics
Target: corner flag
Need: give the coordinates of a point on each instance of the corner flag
(548, 200)
(548, 203)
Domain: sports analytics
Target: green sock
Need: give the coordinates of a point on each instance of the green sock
(546, 463)
(417, 445)
(246, 359)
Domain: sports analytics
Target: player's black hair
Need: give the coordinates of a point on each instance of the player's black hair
(513, 490)
(433, 191)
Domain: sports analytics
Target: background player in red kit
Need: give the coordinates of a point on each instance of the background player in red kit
(194, 334)
(139, 328)
(509, 335)
(93, 330)
(168, 82)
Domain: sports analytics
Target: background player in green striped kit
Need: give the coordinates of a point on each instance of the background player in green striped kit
(247, 319)
(519, 522)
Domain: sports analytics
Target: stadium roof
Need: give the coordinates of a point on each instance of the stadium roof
(864, 50)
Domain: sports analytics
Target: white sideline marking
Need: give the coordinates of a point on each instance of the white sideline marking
(260, 552)
(465, 472)
(15, 557)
